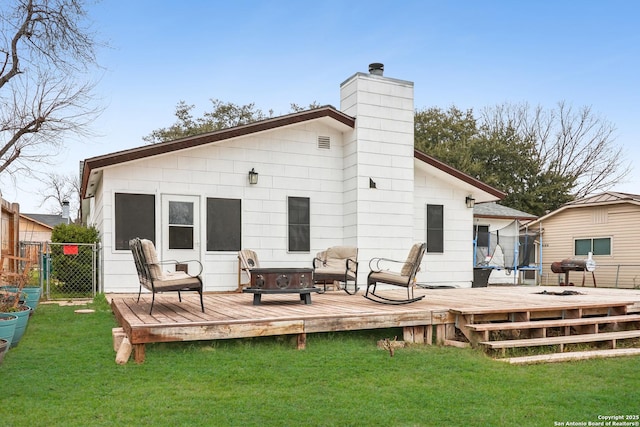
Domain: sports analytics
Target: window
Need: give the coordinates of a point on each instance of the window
(435, 228)
(299, 228)
(597, 246)
(481, 233)
(224, 224)
(181, 225)
(135, 216)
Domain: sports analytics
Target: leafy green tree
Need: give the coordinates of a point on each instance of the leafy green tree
(222, 115)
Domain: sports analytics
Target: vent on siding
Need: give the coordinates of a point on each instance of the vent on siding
(324, 142)
(600, 215)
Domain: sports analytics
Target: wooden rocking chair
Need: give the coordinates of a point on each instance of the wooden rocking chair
(405, 277)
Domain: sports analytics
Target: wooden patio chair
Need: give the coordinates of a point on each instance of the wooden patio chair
(338, 264)
(247, 260)
(405, 277)
(152, 277)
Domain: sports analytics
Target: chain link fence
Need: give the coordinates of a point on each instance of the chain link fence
(69, 270)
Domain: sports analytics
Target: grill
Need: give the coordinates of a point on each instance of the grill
(574, 264)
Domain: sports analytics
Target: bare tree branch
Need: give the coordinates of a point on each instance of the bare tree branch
(45, 94)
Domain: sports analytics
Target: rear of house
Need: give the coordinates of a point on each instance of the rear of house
(326, 177)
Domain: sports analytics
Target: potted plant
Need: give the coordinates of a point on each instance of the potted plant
(11, 297)
(4, 346)
(7, 327)
(11, 303)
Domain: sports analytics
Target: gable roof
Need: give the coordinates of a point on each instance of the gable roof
(90, 170)
(495, 210)
(601, 199)
(46, 220)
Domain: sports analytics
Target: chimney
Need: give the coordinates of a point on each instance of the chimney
(65, 211)
(376, 68)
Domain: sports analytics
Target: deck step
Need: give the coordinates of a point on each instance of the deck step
(573, 355)
(502, 326)
(561, 340)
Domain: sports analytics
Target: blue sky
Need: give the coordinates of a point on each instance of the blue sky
(470, 54)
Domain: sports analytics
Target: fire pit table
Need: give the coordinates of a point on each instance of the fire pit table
(281, 281)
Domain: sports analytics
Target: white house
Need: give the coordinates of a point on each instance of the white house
(326, 177)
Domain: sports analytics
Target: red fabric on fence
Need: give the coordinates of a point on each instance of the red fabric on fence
(70, 249)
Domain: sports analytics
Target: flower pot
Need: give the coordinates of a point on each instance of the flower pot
(32, 296)
(4, 346)
(13, 290)
(8, 323)
(23, 316)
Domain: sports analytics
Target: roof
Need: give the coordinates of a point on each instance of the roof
(458, 174)
(601, 199)
(90, 171)
(605, 198)
(494, 210)
(48, 220)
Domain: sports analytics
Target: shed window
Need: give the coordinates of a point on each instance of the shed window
(597, 246)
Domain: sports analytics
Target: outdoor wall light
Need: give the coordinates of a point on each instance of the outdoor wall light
(253, 176)
(470, 201)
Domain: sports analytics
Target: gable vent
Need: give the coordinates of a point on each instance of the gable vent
(324, 142)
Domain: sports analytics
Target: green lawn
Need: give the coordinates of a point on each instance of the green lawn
(63, 373)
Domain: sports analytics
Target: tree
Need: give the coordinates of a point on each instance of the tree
(575, 144)
(222, 116)
(61, 188)
(540, 158)
(46, 50)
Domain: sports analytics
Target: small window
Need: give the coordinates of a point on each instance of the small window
(135, 216)
(299, 224)
(481, 234)
(435, 228)
(181, 225)
(597, 246)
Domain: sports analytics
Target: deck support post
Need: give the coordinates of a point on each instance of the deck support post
(414, 334)
(301, 341)
(138, 353)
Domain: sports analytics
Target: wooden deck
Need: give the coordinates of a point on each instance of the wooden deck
(234, 315)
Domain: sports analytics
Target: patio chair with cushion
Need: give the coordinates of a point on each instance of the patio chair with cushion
(247, 260)
(152, 277)
(338, 264)
(405, 277)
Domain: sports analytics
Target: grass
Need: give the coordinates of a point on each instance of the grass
(63, 373)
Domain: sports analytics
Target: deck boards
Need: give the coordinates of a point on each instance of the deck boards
(234, 315)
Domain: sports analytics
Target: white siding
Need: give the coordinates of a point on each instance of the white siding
(453, 267)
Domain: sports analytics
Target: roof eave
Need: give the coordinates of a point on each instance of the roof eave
(458, 174)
